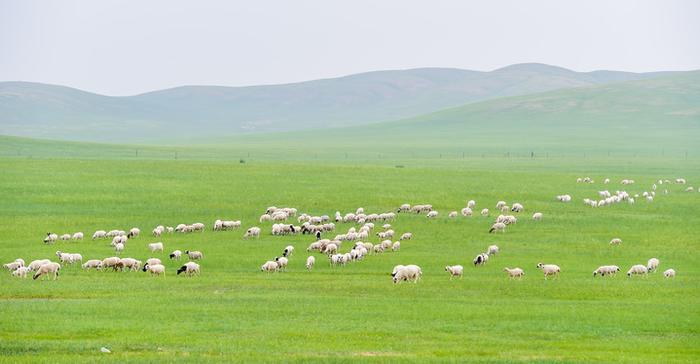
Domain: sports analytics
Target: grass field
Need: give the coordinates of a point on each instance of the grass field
(234, 312)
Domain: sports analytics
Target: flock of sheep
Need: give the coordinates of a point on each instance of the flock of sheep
(331, 248)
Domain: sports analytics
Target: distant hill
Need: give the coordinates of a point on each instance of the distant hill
(57, 112)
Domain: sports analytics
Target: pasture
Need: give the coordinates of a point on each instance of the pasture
(234, 312)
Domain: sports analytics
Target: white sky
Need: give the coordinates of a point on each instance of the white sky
(128, 47)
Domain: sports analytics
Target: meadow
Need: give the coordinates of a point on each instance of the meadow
(234, 312)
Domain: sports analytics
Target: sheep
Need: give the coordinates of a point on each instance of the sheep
(432, 214)
(404, 208)
(65, 258)
(36, 264)
(310, 261)
(21, 261)
(606, 181)
(517, 207)
(92, 263)
(110, 262)
(616, 241)
(549, 269)
(410, 273)
(133, 233)
(194, 255)
(118, 248)
(668, 273)
(22, 272)
(282, 262)
(12, 266)
(155, 247)
(471, 204)
(537, 216)
(652, 265)
(154, 269)
(288, 251)
(46, 269)
(119, 239)
(330, 249)
(176, 254)
(50, 238)
(452, 214)
(396, 246)
(481, 259)
(467, 212)
(500, 204)
(78, 236)
(157, 232)
(65, 237)
(130, 263)
(99, 234)
(454, 271)
(406, 236)
(75, 257)
(492, 250)
(335, 259)
(564, 198)
(169, 229)
(189, 268)
(252, 232)
(499, 226)
(514, 272)
(485, 212)
(269, 266)
(153, 261)
(606, 269)
(505, 209)
(637, 269)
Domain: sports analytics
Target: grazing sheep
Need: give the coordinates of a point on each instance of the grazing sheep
(269, 266)
(176, 254)
(288, 251)
(452, 214)
(406, 236)
(189, 268)
(471, 204)
(310, 261)
(670, 273)
(78, 236)
(118, 248)
(155, 247)
(481, 259)
(514, 272)
(467, 212)
(157, 232)
(20, 261)
(36, 264)
(50, 238)
(153, 261)
(99, 234)
(194, 255)
(154, 269)
(549, 269)
(537, 216)
(22, 272)
(454, 271)
(485, 212)
(404, 208)
(133, 233)
(616, 241)
(65, 258)
(329, 249)
(282, 262)
(75, 257)
(637, 269)
(606, 269)
(499, 226)
(492, 250)
(432, 214)
(396, 246)
(652, 265)
(110, 262)
(12, 266)
(564, 198)
(46, 269)
(500, 204)
(252, 232)
(517, 207)
(65, 237)
(411, 273)
(92, 264)
(129, 263)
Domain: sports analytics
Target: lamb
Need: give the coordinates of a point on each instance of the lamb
(157, 232)
(481, 259)
(155, 269)
(310, 261)
(499, 226)
(110, 262)
(471, 204)
(404, 208)
(637, 269)
(50, 238)
(282, 262)
(331, 248)
(467, 212)
(549, 269)
(335, 259)
(189, 268)
(517, 207)
(194, 255)
(155, 247)
(12, 266)
(432, 214)
(564, 198)
(65, 258)
(92, 263)
(537, 216)
(119, 239)
(616, 241)
(133, 233)
(410, 273)
(452, 214)
(500, 204)
(406, 236)
(78, 236)
(269, 266)
(492, 250)
(75, 257)
(252, 232)
(118, 248)
(514, 272)
(99, 234)
(396, 246)
(46, 269)
(668, 273)
(288, 251)
(65, 237)
(176, 254)
(21, 261)
(454, 271)
(485, 212)
(606, 269)
(130, 263)
(22, 272)
(652, 265)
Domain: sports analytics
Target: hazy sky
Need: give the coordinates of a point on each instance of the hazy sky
(128, 47)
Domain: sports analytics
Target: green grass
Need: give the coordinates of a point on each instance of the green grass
(234, 312)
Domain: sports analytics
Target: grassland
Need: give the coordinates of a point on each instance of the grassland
(234, 312)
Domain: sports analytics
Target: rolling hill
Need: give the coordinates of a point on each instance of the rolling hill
(57, 112)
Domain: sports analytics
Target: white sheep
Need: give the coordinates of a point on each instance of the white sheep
(46, 269)
(616, 241)
(485, 212)
(153, 261)
(65, 237)
(78, 236)
(133, 233)
(50, 238)
(269, 266)
(454, 271)
(110, 262)
(288, 251)
(194, 254)
(652, 265)
(21, 272)
(282, 262)
(189, 268)
(252, 232)
(99, 234)
(411, 273)
(21, 261)
(500, 204)
(637, 269)
(65, 258)
(492, 250)
(396, 246)
(118, 248)
(499, 226)
(432, 214)
(452, 214)
(517, 207)
(606, 269)
(155, 269)
(12, 266)
(155, 247)
(310, 261)
(670, 273)
(176, 254)
(467, 212)
(514, 272)
(406, 236)
(537, 216)
(549, 269)
(36, 264)
(92, 264)
(481, 259)
(471, 204)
